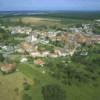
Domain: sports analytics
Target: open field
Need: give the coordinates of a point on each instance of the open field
(40, 21)
(32, 20)
(45, 20)
(11, 86)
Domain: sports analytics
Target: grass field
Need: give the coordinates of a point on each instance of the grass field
(32, 20)
(9, 84)
(59, 22)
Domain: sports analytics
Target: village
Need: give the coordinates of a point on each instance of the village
(42, 56)
(49, 49)
(41, 44)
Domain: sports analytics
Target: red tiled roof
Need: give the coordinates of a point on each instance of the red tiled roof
(39, 62)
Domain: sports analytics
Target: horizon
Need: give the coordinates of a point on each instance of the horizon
(49, 10)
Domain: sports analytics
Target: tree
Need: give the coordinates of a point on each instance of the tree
(1, 58)
(27, 97)
(16, 91)
(53, 92)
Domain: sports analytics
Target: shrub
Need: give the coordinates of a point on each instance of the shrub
(53, 92)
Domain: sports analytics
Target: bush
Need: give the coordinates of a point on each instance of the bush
(1, 58)
(26, 86)
(53, 92)
(27, 97)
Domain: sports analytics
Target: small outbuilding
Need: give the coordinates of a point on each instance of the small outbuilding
(39, 62)
(7, 68)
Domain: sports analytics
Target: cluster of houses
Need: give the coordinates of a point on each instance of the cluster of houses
(29, 45)
(84, 29)
(33, 51)
(19, 29)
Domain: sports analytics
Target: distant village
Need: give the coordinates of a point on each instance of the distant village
(51, 43)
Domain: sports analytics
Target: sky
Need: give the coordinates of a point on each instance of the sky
(9, 5)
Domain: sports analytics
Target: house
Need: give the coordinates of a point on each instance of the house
(26, 46)
(98, 20)
(57, 51)
(8, 68)
(95, 38)
(84, 53)
(45, 53)
(20, 50)
(72, 52)
(44, 41)
(53, 55)
(81, 38)
(39, 62)
(43, 72)
(23, 60)
(32, 38)
(20, 30)
(4, 48)
(35, 54)
(60, 52)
